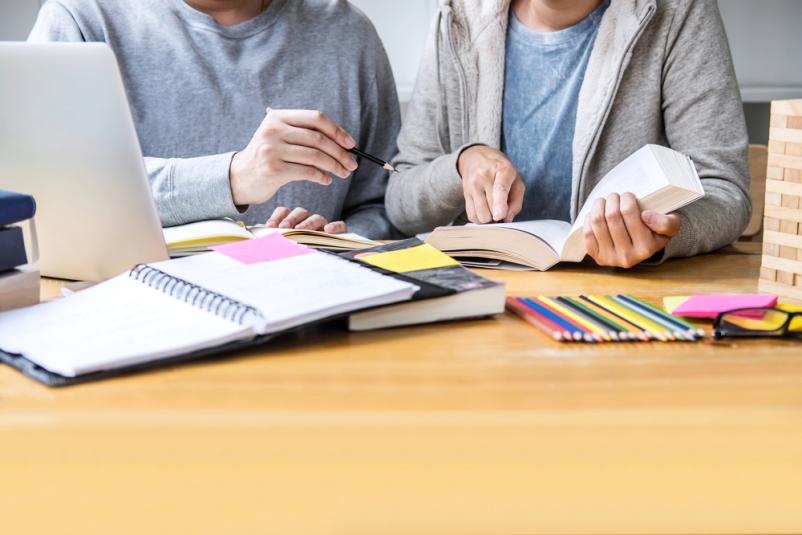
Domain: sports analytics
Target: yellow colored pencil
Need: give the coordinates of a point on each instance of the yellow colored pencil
(649, 326)
(600, 334)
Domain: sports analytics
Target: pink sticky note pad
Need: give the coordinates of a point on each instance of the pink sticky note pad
(710, 306)
(264, 249)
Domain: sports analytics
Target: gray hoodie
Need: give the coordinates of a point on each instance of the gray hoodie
(660, 72)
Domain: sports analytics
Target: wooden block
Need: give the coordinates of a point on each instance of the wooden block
(783, 213)
(794, 122)
(789, 227)
(785, 277)
(781, 269)
(786, 107)
(789, 294)
(789, 135)
(787, 252)
(789, 201)
(794, 149)
(772, 198)
(775, 172)
(780, 238)
(782, 160)
(776, 147)
(779, 121)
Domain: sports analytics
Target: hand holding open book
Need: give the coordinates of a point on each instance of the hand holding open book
(661, 179)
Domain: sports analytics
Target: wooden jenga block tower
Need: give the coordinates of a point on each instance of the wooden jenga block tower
(781, 272)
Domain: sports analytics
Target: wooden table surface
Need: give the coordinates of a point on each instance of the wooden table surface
(478, 427)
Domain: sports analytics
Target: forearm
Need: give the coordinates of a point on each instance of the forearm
(191, 189)
(422, 197)
(711, 222)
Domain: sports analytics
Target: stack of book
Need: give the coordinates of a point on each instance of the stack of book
(19, 283)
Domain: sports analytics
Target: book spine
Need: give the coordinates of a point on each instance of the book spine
(15, 207)
(12, 248)
(197, 296)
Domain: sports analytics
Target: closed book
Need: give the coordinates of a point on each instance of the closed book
(12, 248)
(15, 207)
(19, 288)
(446, 294)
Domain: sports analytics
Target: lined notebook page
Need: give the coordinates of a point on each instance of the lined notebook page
(292, 291)
(118, 323)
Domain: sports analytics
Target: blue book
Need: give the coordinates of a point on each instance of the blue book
(15, 207)
(12, 248)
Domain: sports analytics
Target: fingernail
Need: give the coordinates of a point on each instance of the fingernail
(349, 141)
(352, 165)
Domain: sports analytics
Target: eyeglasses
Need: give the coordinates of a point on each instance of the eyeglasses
(759, 322)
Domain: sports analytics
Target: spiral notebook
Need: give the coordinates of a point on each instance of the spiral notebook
(181, 309)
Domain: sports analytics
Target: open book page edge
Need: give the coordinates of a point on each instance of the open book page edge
(477, 238)
(211, 232)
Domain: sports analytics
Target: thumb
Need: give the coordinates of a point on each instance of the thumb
(665, 225)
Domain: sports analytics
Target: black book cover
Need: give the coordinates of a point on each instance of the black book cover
(433, 282)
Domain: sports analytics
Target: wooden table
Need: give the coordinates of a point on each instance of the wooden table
(479, 427)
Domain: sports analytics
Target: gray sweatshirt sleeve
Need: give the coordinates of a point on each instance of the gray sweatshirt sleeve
(427, 191)
(364, 209)
(704, 119)
(185, 190)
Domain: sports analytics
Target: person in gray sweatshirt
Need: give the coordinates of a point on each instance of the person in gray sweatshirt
(199, 76)
(522, 106)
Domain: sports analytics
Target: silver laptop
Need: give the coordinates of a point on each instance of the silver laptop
(67, 138)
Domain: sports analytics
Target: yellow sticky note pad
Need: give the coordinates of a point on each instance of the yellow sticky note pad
(670, 303)
(412, 259)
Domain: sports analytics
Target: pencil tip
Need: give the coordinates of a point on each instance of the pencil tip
(390, 168)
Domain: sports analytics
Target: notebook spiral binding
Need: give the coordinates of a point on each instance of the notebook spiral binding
(192, 294)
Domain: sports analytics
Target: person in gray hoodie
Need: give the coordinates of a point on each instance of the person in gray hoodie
(199, 75)
(522, 106)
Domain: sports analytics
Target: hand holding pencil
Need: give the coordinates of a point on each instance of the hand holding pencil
(293, 145)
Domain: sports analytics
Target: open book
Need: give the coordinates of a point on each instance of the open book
(662, 179)
(186, 306)
(197, 237)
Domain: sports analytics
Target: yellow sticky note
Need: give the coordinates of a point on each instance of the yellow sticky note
(412, 259)
(671, 302)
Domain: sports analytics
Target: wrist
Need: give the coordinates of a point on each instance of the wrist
(235, 173)
(463, 154)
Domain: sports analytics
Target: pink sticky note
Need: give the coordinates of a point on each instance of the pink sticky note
(710, 306)
(264, 249)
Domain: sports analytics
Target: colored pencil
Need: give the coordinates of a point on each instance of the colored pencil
(679, 321)
(595, 331)
(635, 330)
(679, 330)
(586, 333)
(652, 328)
(612, 329)
(666, 329)
(537, 321)
(577, 334)
(601, 318)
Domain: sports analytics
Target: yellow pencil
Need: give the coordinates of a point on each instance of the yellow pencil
(649, 326)
(598, 333)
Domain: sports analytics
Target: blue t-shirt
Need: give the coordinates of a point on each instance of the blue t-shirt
(543, 75)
